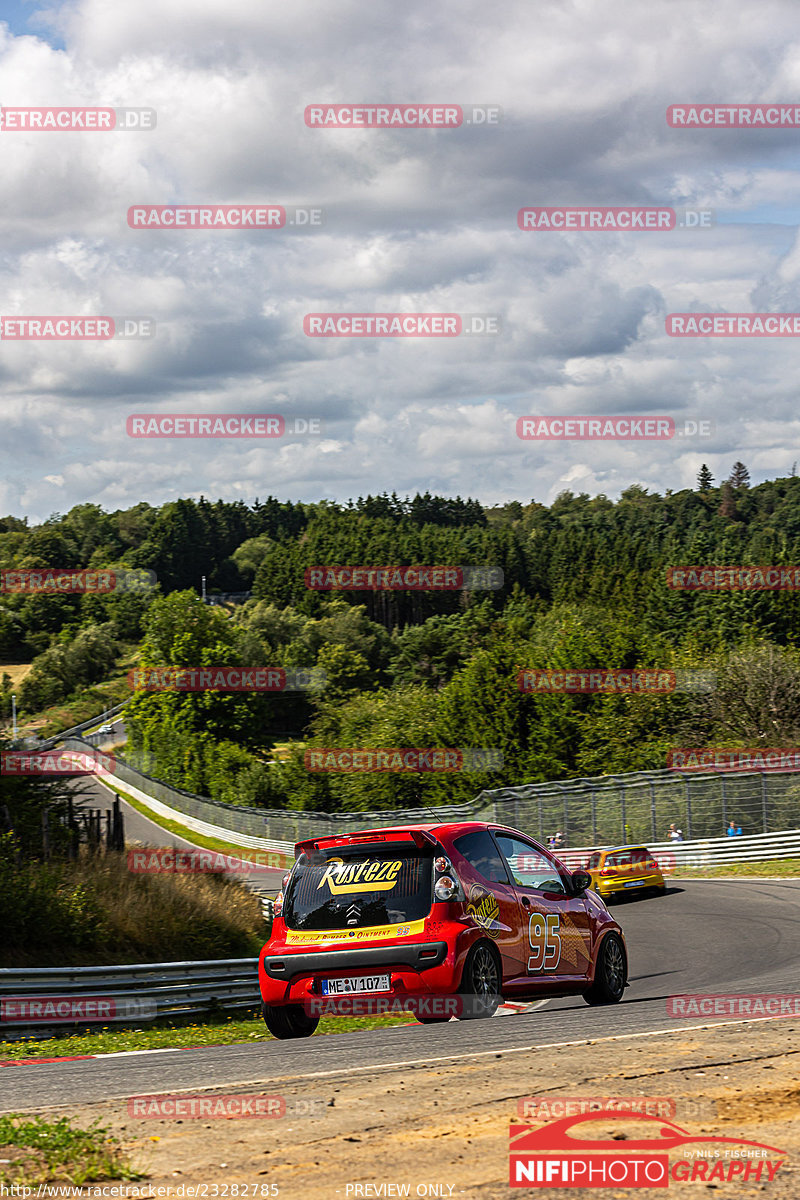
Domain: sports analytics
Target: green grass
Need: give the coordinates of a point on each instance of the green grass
(42, 1151)
(232, 1031)
(788, 868)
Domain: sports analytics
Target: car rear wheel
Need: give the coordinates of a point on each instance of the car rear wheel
(480, 983)
(289, 1021)
(611, 973)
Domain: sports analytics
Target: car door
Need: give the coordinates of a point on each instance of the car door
(491, 898)
(555, 929)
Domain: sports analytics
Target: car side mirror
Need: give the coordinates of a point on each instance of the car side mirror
(580, 881)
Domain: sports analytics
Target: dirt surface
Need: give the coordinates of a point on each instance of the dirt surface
(444, 1130)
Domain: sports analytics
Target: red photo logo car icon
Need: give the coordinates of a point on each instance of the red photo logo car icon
(553, 1156)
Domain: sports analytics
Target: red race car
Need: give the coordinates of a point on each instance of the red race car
(438, 920)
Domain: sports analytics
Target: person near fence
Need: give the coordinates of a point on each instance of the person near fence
(734, 830)
(674, 834)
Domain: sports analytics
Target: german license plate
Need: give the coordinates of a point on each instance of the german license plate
(634, 883)
(355, 984)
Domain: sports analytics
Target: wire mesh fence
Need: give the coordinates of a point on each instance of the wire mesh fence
(637, 807)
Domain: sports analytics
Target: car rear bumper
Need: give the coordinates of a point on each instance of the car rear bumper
(419, 956)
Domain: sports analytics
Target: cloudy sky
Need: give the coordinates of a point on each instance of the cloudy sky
(414, 221)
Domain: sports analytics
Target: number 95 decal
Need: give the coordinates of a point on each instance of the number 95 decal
(545, 942)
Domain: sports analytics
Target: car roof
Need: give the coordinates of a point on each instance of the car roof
(451, 829)
(614, 849)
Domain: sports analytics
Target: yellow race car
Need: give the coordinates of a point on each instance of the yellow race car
(621, 869)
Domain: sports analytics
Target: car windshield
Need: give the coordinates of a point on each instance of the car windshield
(344, 888)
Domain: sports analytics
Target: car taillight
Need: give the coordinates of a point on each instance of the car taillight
(607, 871)
(446, 888)
(447, 885)
(277, 906)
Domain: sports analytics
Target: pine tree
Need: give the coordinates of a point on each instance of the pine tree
(739, 476)
(727, 507)
(705, 479)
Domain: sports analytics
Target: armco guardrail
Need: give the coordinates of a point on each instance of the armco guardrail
(40, 999)
(706, 852)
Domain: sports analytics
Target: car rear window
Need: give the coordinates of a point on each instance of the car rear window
(594, 861)
(342, 889)
(481, 853)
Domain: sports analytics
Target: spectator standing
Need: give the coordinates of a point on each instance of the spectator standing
(734, 830)
(674, 834)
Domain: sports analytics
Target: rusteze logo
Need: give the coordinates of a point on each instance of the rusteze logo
(224, 679)
(733, 324)
(54, 581)
(98, 120)
(734, 579)
(719, 758)
(373, 875)
(764, 1004)
(552, 1155)
(733, 116)
(403, 579)
(56, 762)
(371, 760)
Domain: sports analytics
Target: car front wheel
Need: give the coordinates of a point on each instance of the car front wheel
(611, 973)
(289, 1021)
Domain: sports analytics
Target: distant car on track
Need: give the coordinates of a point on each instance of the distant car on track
(624, 869)
(470, 912)
(107, 728)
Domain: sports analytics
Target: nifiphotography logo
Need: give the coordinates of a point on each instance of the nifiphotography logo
(570, 1152)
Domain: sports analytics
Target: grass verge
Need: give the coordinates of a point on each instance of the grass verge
(34, 1151)
(787, 868)
(177, 1036)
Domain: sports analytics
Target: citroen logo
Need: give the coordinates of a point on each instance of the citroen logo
(352, 914)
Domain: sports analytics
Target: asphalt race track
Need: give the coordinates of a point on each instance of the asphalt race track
(702, 936)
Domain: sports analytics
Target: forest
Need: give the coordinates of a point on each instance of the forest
(584, 585)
